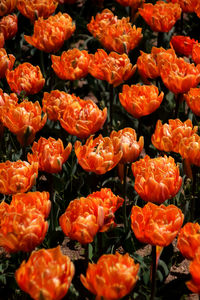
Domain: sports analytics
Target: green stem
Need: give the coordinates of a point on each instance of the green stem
(193, 202)
(52, 225)
(124, 195)
(42, 63)
(160, 39)
(111, 99)
(178, 100)
(154, 267)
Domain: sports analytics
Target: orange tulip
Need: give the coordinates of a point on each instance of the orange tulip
(194, 269)
(156, 225)
(36, 8)
(7, 6)
(97, 155)
(83, 118)
(71, 65)
(197, 9)
(50, 154)
(133, 3)
(196, 53)
(2, 39)
(167, 137)
(17, 177)
(49, 35)
(183, 45)
(38, 200)
(26, 78)
(193, 99)
(112, 277)
(126, 140)
(24, 120)
(5, 99)
(55, 103)
(156, 179)
(140, 100)
(190, 149)
(22, 230)
(114, 68)
(189, 240)
(9, 26)
(162, 16)
(47, 274)
(187, 6)
(6, 62)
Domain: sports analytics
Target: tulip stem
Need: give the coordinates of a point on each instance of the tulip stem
(193, 204)
(178, 101)
(160, 39)
(111, 108)
(124, 195)
(154, 268)
(42, 63)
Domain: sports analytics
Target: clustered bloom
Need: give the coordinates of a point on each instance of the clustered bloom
(17, 177)
(5, 99)
(97, 155)
(133, 3)
(113, 33)
(47, 274)
(167, 137)
(190, 149)
(9, 26)
(55, 102)
(71, 65)
(162, 16)
(25, 78)
(24, 120)
(7, 6)
(183, 45)
(84, 217)
(50, 154)
(186, 5)
(114, 68)
(156, 225)
(83, 118)
(112, 277)
(140, 100)
(36, 8)
(49, 34)
(196, 53)
(6, 62)
(156, 179)
(194, 268)
(193, 99)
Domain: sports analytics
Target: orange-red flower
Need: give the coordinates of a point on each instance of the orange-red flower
(22, 230)
(193, 99)
(17, 177)
(71, 65)
(156, 225)
(5, 99)
(26, 78)
(49, 35)
(6, 62)
(186, 5)
(50, 154)
(162, 16)
(189, 240)
(114, 68)
(9, 26)
(7, 6)
(194, 269)
(113, 33)
(38, 200)
(126, 140)
(36, 8)
(83, 118)
(47, 274)
(133, 3)
(55, 102)
(167, 137)
(183, 45)
(97, 155)
(2, 39)
(140, 100)
(156, 179)
(189, 149)
(196, 53)
(112, 277)
(24, 120)
(197, 9)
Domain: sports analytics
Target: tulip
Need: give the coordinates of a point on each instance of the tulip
(196, 53)
(194, 269)
(6, 62)
(9, 26)
(187, 6)
(189, 149)
(132, 3)
(193, 99)
(7, 6)
(183, 45)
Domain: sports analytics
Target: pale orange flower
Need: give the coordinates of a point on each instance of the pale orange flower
(167, 137)
(17, 177)
(156, 225)
(187, 6)
(114, 68)
(39, 200)
(55, 102)
(112, 277)
(156, 179)
(126, 140)
(140, 100)
(193, 100)
(24, 120)
(7, 6)
(26, 78)
(6, 62)
(194, 269)
(196, 53)
(50, 154)
(162, 16)
(97, 155)
(47, 274)
(190, 149)
(71, 65)
(83, 118)
(49, 35)
(36, 8)
(183, 45)
(9, 26)
(189, 240)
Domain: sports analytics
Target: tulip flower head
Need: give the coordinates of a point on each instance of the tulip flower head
(7, 6)
(194, 269)
(193, 99)
(183, 45)
(189, 149)
(9, 26)
(196, 53)
(187, 6)
(132, 3)
(6, 62)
